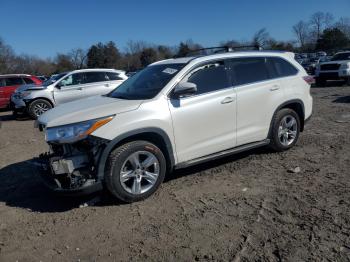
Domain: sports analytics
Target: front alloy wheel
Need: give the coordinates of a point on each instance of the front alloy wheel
(134, 171)
(139, 172)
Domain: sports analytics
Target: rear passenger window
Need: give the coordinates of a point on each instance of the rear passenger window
(282, 67)
(92, 77)
(113, 76)
(14, 81)
(209, 77)
(249, 70)
(28, 81)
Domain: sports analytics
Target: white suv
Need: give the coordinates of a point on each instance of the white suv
(173, 114)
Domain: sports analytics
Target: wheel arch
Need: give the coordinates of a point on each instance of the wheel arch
(37, 98)
(295, 104)
(152, 134)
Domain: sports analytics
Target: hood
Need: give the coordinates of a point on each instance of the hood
(87, 109)
(29, 87)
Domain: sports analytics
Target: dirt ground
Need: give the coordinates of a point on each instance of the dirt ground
(248, 207)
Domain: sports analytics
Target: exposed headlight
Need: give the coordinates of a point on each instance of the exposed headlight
(75, 132)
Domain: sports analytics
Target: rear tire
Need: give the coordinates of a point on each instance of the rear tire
(38, 107)
(134, 171)
(285, 130)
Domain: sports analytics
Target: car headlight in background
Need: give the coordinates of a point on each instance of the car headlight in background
(75, 132)
(345, 66)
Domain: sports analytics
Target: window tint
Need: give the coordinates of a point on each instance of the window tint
(282, 67)
(92, 77)
(71, 80)
(28, 80)
(209, 77)
(249, 70)
(14, 81)
(113, 76)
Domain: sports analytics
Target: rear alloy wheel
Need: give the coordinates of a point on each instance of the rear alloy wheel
(38, 107)
(285, 130)
(134, 171)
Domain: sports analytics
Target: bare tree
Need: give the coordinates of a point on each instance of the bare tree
(301, 31)
(319, 21)
(343, 25)
(78, 58)
(261, 38)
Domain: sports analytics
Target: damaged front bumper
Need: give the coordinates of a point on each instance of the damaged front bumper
(72, 168)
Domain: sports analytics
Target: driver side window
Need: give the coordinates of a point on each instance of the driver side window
(209, 77)
(71, 80)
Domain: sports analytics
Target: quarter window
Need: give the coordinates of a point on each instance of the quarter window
(209, 77)
(282, 67)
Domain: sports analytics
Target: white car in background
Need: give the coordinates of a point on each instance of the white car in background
(338, 68)
(65, 87)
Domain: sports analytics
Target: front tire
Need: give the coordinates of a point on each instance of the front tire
(134, 171)
(38, 107)
(285, 130)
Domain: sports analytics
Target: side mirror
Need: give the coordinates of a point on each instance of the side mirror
(184, 89)
(58, 85)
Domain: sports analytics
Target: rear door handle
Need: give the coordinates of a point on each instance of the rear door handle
(106, 85)
(227, 100)
(275, 88)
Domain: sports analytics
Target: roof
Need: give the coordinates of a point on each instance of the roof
(97, 69)
(185, 60)
(14, 75)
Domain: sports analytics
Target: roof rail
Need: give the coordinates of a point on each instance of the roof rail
(222, 49)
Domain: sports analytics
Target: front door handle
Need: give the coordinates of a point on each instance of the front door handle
(227, 100)
(275, 88)
(106, 85)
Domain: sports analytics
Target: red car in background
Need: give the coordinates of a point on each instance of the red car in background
(9, 83)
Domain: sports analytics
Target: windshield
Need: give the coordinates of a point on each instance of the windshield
(53, 79)
(341, 56)
(147, 83)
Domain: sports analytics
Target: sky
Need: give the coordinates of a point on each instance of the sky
(44, 28)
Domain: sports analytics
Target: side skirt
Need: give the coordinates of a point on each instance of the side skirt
(222, 154)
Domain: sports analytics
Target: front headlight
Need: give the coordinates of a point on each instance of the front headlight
(75, 132)
(345, 66)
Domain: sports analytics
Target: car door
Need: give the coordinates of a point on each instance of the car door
(69, 88)
(204, 123)
(259, 93)
(9, 85)
(97, 83)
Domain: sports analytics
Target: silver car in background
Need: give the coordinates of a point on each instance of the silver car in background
(65, 87)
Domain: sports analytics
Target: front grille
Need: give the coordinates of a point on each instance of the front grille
(329, 75)
(330, 67)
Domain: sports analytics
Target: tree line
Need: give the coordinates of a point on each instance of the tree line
(320, 33)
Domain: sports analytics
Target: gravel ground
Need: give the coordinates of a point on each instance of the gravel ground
(255, 206)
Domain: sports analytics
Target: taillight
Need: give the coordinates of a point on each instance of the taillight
(309, 79)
